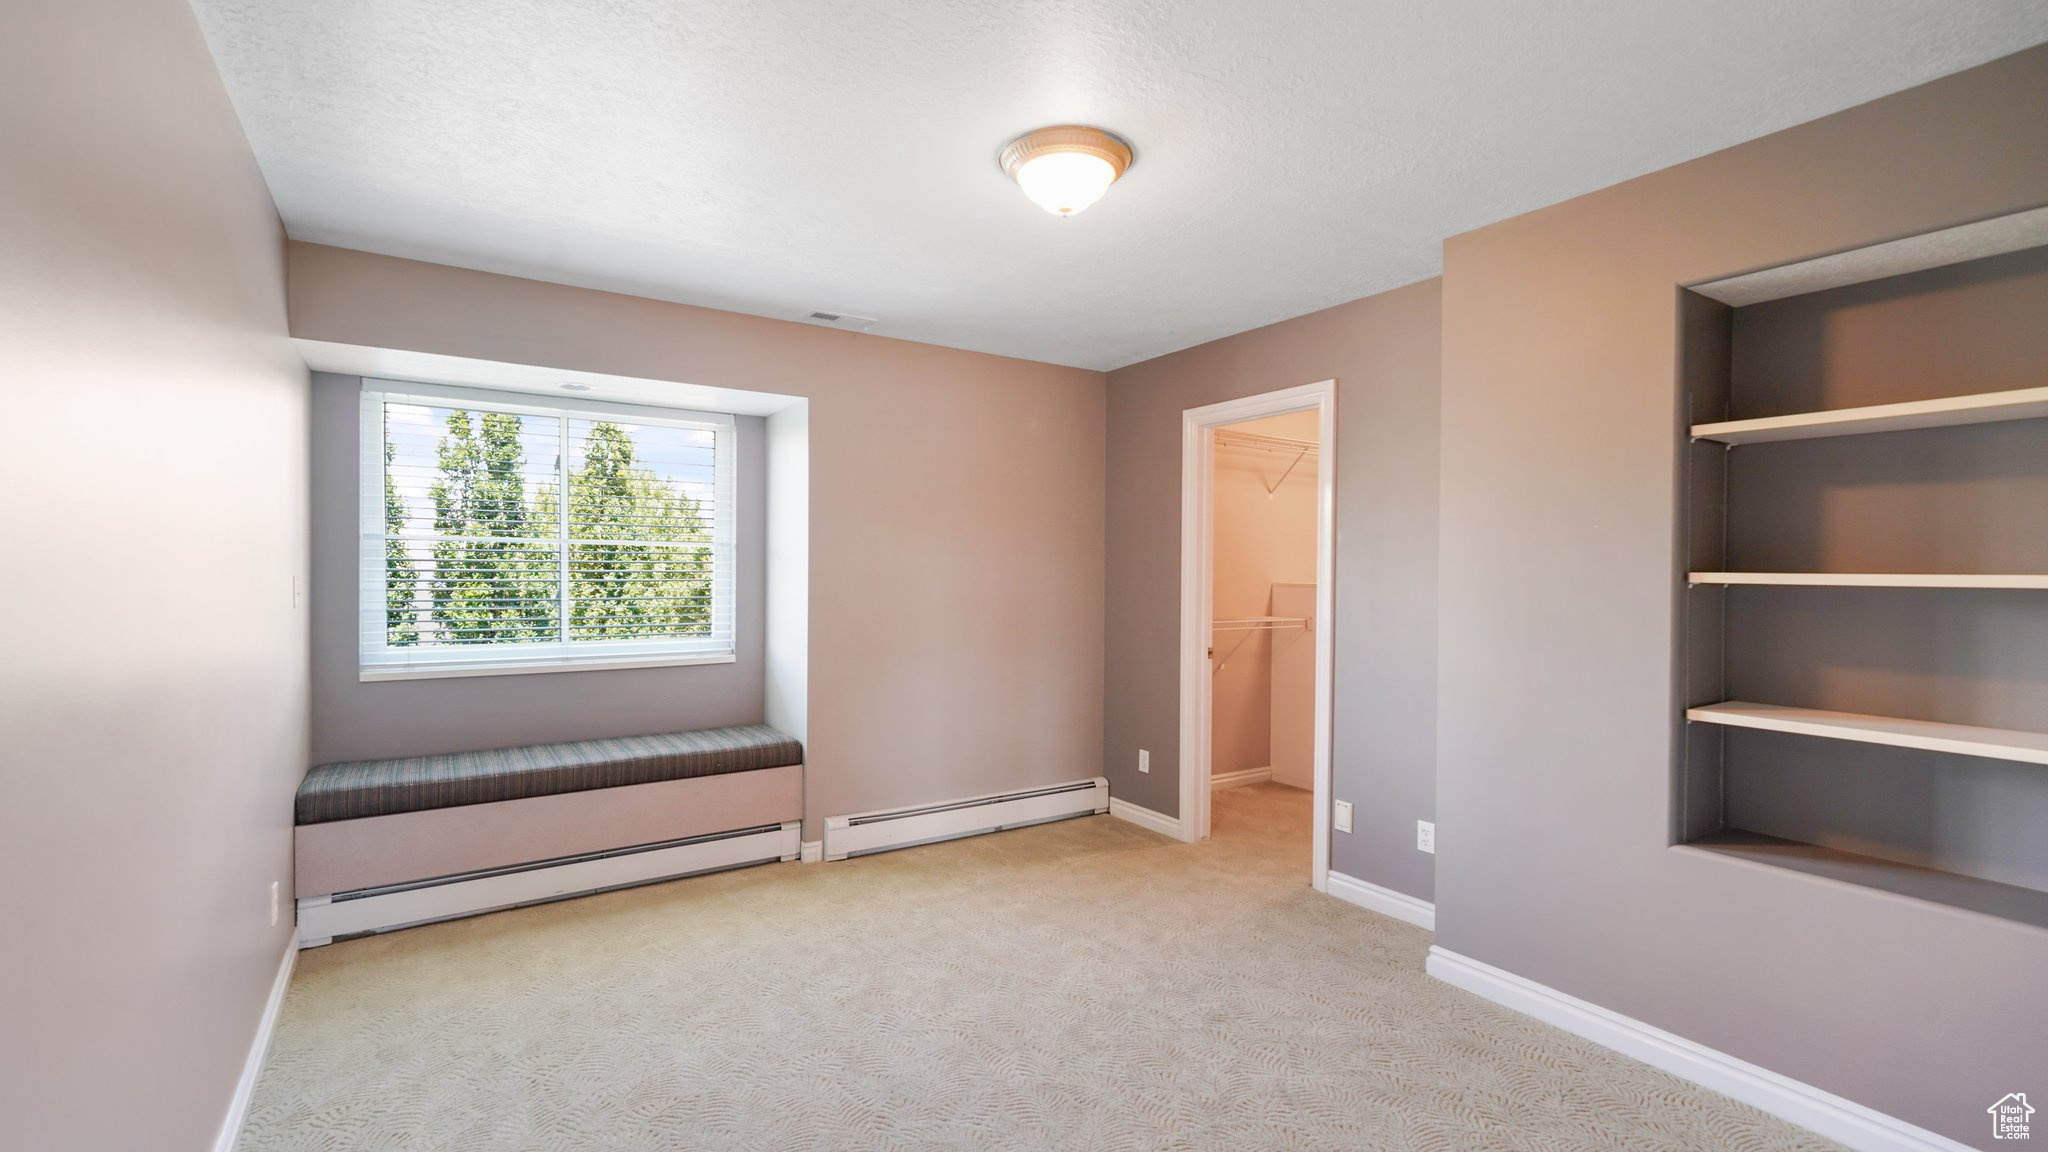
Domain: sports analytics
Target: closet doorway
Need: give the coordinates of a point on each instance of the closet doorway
(1257, 484)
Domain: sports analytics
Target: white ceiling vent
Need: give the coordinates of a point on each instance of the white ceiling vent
(846, 320)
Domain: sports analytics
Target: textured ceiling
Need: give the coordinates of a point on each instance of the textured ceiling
(780, 157)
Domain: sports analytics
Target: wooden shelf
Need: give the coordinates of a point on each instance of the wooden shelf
(1979, 408)
(1927, 735)
(1988, 897)
(1876, 579)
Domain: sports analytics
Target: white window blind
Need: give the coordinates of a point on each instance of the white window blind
(505, 533)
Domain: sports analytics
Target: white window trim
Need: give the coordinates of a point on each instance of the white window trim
(376, 661)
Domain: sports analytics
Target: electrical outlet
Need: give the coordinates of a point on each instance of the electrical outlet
(1425, 837)
(1144, 760)
(273, 901)
(1343, 815)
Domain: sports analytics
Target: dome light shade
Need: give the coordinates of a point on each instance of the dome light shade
(1064, 169)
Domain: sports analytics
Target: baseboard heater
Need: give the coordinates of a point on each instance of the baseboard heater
(323, 919)
(865, 832)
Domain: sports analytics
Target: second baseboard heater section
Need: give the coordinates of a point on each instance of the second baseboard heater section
(866, 832)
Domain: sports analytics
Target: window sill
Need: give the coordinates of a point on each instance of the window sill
(524, 668)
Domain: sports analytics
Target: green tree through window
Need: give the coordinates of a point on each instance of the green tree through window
(493, 582)
(401, 575)
(639, 545)
(639, 549)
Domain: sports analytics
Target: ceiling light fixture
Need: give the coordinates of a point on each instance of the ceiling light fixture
(1064, 169)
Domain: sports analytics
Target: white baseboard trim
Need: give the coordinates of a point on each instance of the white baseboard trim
(1240, 778)
(813, 851)
(1843, 1121)
(266, 1025)
(1145, 818)
(1384, 901)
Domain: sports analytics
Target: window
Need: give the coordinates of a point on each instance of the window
(504, 533)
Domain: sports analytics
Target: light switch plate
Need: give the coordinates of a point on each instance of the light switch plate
(1342, 815)
(1144, 760)
(1425, 836)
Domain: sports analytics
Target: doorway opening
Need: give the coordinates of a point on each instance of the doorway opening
(1256, 529)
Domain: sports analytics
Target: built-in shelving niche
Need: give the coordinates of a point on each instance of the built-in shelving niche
(1865, 605)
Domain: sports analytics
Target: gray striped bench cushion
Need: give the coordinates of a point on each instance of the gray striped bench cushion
(356, 788)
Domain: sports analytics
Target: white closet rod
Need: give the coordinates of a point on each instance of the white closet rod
(1301, 449)
(1254, 622)
(1251, 624)
(1228, 439)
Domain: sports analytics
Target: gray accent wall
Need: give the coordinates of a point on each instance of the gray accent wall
(356, 720)
(1561, 672)
(1948, 331)
(1383, 352)
(153, 670)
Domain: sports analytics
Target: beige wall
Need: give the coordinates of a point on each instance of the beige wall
(956, 544)
(153, 675)
(1265, 533)
(1561, 422)
(1383, 353)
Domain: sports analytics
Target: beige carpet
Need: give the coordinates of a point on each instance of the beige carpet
(1083, 985)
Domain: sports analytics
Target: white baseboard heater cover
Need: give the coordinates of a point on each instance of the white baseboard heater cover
(322, 918)
(865, 832)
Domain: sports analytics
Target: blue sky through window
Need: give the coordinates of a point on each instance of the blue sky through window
(683, 457)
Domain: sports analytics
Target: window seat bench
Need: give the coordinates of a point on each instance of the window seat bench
(388, 843)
